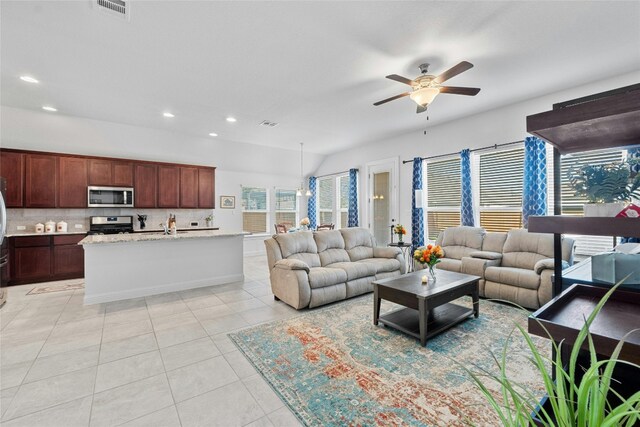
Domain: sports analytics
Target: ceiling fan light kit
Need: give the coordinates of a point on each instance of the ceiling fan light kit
(426, 87)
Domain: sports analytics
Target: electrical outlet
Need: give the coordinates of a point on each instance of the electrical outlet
(21, 227)
(194, 223)
(78, 226)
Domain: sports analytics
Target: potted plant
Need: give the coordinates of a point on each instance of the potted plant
(400, 231)
(582, 394)
(607, 187)
(209, 220)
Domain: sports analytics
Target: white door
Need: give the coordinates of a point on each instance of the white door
(383, 198)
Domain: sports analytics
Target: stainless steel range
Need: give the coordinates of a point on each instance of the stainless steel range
(111, 224)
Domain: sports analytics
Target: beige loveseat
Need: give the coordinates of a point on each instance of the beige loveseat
(516, 266)
(308, 269)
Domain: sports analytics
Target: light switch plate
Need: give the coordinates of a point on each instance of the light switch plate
(21, 227)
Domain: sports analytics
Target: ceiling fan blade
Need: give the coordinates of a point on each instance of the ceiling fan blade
(400, 79)
(471, 91)
(421, 109)
(393, 98)
(453, 71)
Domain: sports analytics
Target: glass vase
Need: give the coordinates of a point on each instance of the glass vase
(432, 271)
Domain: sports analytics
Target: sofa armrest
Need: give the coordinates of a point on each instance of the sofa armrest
(292, 264)
(476, 266)
(486, 255)
(547, 264)
(386, 252)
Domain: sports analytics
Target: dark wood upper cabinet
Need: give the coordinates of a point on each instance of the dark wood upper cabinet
(122, 173)
(188, 187)
(206, 188)
(168, 186)
(12, 169)
(41, 180)
(145, 185)
(100, 172)
(72, 187)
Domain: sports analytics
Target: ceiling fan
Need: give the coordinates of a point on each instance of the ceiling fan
(426, 87)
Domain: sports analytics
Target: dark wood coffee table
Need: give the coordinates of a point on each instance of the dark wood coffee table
(429, 309)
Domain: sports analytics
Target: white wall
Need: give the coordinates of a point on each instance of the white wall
(237, 163)
(504, 124)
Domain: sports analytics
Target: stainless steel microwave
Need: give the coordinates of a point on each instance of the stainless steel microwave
(109, 197)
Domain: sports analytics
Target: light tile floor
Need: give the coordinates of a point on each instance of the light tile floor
(158, 361)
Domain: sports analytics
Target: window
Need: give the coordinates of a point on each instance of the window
(572, 204)
(343, 198)
(286, 207)
(326, 200)
(254, 209)
(500, 181)
(443, 196)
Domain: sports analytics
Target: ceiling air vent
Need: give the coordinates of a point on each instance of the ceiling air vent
(268, 124)
(119, 8)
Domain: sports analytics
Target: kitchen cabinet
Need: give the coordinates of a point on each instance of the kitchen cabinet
(41, 180)
(68, 256)
(168, 186)
(122, 174)
(72, 186)
(12, 169)
(145, 185)
(110, 173)
(206, 188)
(188, 187)
(45, 258)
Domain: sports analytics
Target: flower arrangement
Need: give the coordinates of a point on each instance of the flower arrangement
(400, 231)
(429, 255)
(305, 221)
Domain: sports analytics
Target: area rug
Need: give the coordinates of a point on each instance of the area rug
(333, 367)
(66, 285)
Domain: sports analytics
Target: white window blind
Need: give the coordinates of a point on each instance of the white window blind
(286, 207)
(500, 181)
(573, 205)
(326, 200)
(443, 195)
(254, 209)
(343, 199)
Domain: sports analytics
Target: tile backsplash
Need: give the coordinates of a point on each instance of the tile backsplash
(30, 217)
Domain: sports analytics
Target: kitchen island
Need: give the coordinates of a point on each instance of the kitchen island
(123, 266)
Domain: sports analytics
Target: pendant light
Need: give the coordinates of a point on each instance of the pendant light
(302, 189)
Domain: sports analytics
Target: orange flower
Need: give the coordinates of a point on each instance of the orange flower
(429, 246)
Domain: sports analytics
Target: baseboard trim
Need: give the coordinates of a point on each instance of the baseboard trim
(162, 289)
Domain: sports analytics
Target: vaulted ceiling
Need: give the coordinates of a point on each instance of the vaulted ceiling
(313, 67)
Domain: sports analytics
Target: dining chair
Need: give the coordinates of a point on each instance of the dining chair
(325, 227)
(280, 228)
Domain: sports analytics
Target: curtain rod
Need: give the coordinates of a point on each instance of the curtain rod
(335, 173)
(494, 146)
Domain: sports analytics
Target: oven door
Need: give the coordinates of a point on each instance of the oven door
(110, 197)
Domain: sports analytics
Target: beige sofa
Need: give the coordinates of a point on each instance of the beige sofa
(516, 266)
(309, 269)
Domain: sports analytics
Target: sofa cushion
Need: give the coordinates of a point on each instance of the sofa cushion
(319, 277)
(494, 241)
(523, 249)
(450, 264)
(300, 245)
(355, 270)
(459, 242)
(358, 242)
(330, 247)
(519, 277)
(382, 264)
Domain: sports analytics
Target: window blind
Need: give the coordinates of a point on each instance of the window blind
(439, 220)
(501, 177)
(286, 207)
(254, 209)
(443, 183)
(326, 200)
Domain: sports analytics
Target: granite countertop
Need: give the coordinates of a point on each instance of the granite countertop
(155, 236)
(33, 233)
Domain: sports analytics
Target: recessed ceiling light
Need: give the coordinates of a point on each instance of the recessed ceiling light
(29, 79)
(48, 108)
(231, 119)
(213, 134)
(168, 114)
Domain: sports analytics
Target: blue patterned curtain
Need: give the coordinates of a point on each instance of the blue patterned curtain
(353, 198)
(466, 195)
(417, 216)
(311, 203)
(534, 189)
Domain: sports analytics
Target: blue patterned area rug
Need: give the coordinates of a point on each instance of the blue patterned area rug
(333, 367)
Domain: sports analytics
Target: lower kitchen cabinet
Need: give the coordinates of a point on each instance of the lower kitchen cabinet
(45, 258)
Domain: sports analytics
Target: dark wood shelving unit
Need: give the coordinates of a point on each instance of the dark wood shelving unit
(594, 226)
